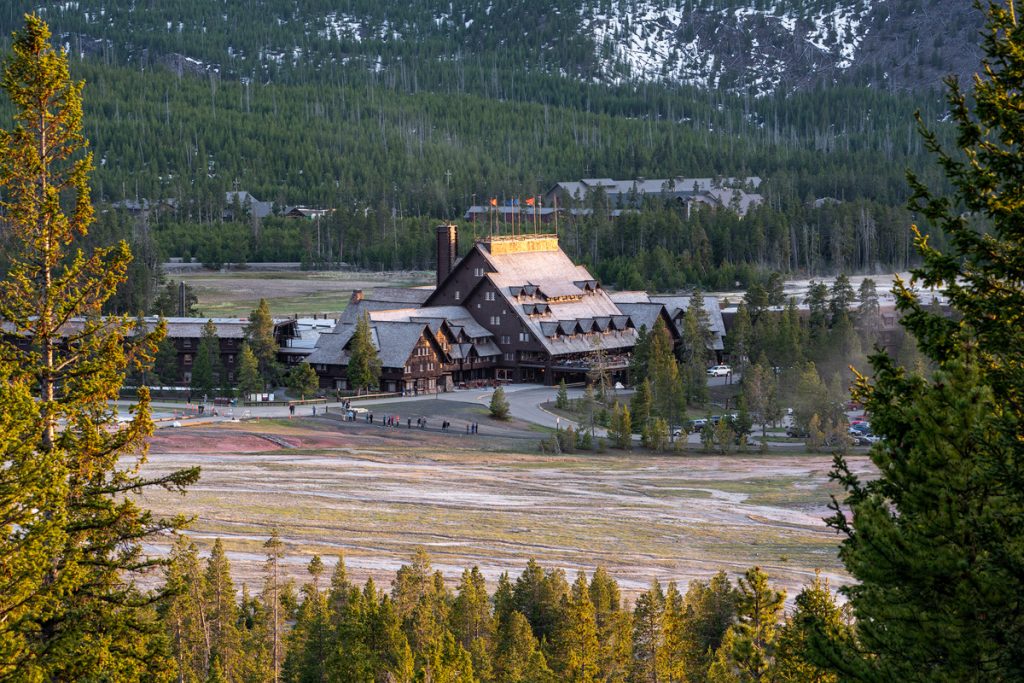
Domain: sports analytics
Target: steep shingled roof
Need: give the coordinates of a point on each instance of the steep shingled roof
(382, 299)
(394, 341)
(548, 276)
(644, 307)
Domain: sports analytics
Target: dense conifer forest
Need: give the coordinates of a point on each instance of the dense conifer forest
(540, 626)
(397, 145)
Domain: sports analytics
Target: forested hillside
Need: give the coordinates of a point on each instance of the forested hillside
(398, 115)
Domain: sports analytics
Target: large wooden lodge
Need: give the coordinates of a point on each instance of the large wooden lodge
(513, 309)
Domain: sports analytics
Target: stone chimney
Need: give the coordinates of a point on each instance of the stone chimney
(447, 250)
(357, 296)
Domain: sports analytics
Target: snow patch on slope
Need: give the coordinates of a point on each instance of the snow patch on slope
(658, 40)
(640, 41)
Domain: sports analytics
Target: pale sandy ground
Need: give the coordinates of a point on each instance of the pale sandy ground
(377, 497)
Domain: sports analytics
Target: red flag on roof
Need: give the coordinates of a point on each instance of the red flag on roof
(494, 201)
(530, 201)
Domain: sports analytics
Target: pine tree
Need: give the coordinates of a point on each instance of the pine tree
(471, 612)
(340, 590)
(77, 614)
(259, 334)
(185, 615)
(249, 379)
(255, 663)
(165, 363)
(711, 610)
(647, 634)
(503, 599)
(676, 633)
(562, 397)
(640, 406)
(273, 587)
(614, 627)
(28, 482)
(638, 362)
(538, 596)
(411, 582)
(775, 289)
(667, 398)
(309, 639)
(576, 638)
(518, 657)
(738, 341)
(207, 368)
(620, 432)
(221, 611)
(302, 380)
(841, 297)
(934, 542)
(364, 367)
(869, 315)
(815, 608)
(759, 608)
(655, 435)
(760, 394)
(499, 405)
(696, 350)
(941, 488)
(390, 656)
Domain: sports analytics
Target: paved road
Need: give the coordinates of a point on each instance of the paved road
(524, 404)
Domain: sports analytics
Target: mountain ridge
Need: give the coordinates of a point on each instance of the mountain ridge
(746, 47)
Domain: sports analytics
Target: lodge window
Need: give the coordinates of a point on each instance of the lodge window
(186, 343)
(495, 319)
(524, 336)
(478, 272)
(458, 295)
(509, 356)
(505, 339)
(188, 358)
(489, 296)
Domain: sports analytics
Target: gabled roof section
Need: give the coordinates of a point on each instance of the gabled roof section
(557, 300)
(400, 338)
(676, 307)
(646, 315)
(382, 299)
(457, 316)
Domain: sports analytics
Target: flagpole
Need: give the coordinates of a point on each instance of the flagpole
(556, 214)
(517, 214)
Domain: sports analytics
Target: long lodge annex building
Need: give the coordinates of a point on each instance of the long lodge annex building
(513, 309)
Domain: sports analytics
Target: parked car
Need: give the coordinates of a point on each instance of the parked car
(695, 425)
(719, 371)
(795, 432)
(861, 427)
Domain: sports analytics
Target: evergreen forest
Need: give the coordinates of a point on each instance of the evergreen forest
(396, 146)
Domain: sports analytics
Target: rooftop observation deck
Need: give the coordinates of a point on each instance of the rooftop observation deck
(519, 244)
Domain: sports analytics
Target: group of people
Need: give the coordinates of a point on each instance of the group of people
(395, 421)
